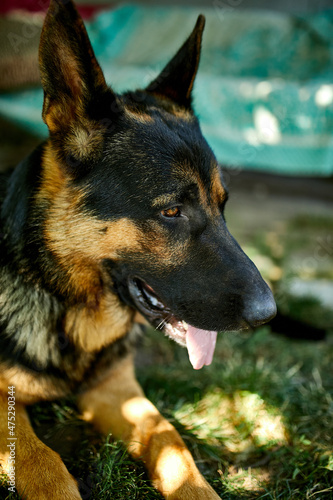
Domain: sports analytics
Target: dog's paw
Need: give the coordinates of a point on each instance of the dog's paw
(45, 477)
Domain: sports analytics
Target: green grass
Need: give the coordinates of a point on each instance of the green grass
(258, 421)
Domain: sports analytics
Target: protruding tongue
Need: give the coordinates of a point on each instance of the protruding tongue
(200, 346)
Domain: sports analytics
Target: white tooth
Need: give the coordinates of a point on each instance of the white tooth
(185, 325)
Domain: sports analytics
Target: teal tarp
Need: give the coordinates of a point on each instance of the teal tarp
(264, 93)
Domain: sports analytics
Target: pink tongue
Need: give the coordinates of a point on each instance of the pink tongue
(200, 346)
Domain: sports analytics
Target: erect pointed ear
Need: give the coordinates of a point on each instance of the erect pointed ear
(176, 80)
(72, 79)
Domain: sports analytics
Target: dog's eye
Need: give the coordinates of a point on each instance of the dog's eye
(171, 212)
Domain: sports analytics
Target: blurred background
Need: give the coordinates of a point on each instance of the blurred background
(264, 96)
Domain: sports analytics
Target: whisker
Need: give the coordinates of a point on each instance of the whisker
(163, 322)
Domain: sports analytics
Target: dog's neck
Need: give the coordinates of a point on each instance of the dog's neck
(89, 321)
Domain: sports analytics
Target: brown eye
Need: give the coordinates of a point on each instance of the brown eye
(171, 212)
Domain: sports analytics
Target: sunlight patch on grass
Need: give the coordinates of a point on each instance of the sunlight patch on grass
(246, 479)
(242, 421)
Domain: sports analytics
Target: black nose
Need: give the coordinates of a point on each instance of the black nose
(260, 308)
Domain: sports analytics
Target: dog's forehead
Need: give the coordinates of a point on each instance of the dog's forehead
(163, 151)
(152, 158)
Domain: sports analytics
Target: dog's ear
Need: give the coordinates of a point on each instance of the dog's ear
(72, 79)
(176, 80)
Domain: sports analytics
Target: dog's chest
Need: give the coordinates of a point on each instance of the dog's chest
(32, 341)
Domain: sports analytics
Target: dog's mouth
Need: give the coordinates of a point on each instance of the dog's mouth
(200, 343)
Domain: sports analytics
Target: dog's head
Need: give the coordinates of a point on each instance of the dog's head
(138, 196)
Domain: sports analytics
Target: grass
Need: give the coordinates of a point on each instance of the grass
(258, 421)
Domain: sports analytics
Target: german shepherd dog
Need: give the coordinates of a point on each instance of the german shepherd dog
(118, 212)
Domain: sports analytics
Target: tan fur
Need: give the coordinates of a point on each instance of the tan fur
(217, 192)
(118, 405)
(84, 140)
(212, 199)
(29, 388)
(78, 240)
(163, 200)
(40, 473)
(182, 113)
(92, 328)
(143, 118)
(53, 176)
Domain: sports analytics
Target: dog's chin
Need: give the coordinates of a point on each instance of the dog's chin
(155, 311)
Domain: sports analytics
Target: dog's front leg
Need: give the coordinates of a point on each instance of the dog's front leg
(36, 471)
(118, 406)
